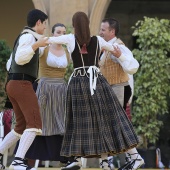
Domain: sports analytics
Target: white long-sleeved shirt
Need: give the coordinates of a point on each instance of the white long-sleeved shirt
(24, 51)
(69, 40)
(129, 64)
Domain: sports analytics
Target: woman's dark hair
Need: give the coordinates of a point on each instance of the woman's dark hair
(35, 15)
(57, 25)
(80, 23)
(113, 24)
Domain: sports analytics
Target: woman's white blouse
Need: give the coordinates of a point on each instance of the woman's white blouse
(57, 62)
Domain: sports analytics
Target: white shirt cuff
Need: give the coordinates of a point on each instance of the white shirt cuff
(122, 58)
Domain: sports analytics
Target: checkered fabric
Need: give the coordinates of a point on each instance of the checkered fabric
(95, 124)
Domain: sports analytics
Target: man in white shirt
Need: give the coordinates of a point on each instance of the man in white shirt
(117, 65)
(23, 69)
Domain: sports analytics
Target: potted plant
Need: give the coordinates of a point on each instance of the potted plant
(152, 79)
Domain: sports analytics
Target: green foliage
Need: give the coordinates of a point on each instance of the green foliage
(153, 77)
(69, 68)
(69, 29)
(69, 71)
(4, 56)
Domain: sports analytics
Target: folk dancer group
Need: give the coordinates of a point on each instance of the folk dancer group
(96, 124)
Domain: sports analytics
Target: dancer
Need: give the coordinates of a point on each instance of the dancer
(116, 67)
(96, 124)
(51, 93)
(22, 73)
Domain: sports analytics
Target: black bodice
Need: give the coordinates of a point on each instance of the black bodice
(89, 59)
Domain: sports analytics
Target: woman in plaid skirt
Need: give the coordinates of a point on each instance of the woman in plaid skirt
(96, 124)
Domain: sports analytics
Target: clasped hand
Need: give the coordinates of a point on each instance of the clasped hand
(116, 52)
(43, 41)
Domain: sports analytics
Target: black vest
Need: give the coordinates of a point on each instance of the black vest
(30, 68)
(89, 59)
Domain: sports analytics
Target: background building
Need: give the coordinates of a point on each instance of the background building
(128, 12)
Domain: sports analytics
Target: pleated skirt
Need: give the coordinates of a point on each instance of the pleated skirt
(46, 148)
(95, 124)
(51, 95)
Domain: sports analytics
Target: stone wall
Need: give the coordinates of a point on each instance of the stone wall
(14, 19)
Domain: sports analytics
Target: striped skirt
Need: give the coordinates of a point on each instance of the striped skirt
(51, 93)
(95, 124)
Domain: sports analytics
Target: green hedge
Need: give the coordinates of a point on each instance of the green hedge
(152, 81)
(5, 52)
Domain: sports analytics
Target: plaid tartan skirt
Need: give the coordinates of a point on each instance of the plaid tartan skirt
(95, 124)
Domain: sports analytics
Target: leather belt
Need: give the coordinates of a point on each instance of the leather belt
(20, 76)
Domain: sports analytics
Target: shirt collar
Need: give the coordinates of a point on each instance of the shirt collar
(112, 41)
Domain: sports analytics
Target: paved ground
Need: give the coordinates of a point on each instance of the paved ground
(60, 169)
(84, 169)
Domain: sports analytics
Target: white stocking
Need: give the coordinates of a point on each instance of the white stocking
(104, 156)
(134, 153)
(104, 161)
(10, 139)
(25, 142)
(136, 159)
